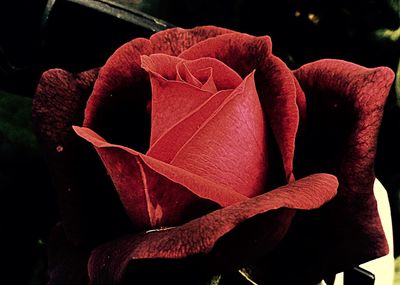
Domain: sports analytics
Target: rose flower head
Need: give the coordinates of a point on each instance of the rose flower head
(200, 146)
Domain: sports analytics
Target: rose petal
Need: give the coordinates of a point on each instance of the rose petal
(223, 76)
(175, 41)
(275, 83)
(58, 104)
(122, 75)
(142, 182)
(184, 74)
(241, 52)
(229, 148)
(108, 263)
(164, 150)
(171, 100)
(344, 109)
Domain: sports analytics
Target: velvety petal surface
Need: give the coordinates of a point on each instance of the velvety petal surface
(344, 109)
(59, 103)
(275, 83)
(122, 81)
(109, 262)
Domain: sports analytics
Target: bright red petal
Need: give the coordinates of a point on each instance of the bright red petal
(229, 148)
(109, 262)
(171, 100)
(223, 76)
(155, 193)
(275, 83)
(166, 147)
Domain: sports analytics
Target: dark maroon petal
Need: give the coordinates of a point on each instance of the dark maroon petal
(279, 96)
(58, 104)
(241, 52)
(175, 41)
(108, 263)
(344, 109)
(122, 81)
(275, 83)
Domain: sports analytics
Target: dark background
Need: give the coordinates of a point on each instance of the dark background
(75, 37)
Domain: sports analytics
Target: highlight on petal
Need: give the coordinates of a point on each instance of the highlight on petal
(164, 150)
(155, 193)
(276, 85)
(108, 263)
(229, 148)
(172, 100)
(345, 104)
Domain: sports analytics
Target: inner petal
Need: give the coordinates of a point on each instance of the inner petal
(230, 147)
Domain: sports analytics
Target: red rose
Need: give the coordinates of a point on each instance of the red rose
(229, 123)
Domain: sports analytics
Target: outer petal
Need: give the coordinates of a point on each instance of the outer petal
(155, 193)
(275, 83)
(109, 262)
(59, 103)
(122, 81)
(344, 109)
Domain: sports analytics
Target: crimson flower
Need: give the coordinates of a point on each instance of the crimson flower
(201, 147)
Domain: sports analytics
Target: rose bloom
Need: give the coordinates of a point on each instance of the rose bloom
(197, 153)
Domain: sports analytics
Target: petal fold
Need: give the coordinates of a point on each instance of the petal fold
(108, 263)
(152, 190)
(345, 104)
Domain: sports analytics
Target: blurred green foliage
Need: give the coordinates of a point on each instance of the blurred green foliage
(15, 123)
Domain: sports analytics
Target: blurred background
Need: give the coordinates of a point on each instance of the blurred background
(76, 35)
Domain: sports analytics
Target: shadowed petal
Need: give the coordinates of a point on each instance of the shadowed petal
(58, 104)
(122, 81)
(109, 262)
(155, 193)
(344, 109)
